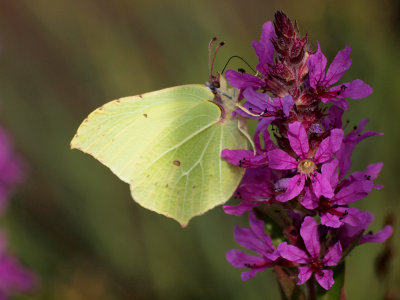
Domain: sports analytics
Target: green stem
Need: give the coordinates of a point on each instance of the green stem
(312, 294)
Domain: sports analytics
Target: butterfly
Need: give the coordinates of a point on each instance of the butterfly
(167, 146)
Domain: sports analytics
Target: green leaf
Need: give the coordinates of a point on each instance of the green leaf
(167, 145)
(337, 290)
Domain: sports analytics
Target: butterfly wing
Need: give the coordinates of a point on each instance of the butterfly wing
(166, 145)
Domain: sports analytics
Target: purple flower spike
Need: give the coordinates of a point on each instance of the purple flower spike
(306, 165)
(257, 240)
(320, 82)
(311, 261)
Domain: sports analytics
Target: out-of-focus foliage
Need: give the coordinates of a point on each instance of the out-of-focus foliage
(75, 224)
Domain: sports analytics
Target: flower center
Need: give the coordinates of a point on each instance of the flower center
(306, 167)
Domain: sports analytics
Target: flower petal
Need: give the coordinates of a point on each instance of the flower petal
(298, 139)
(316, 64)
(357, 89)
(321, 186)
(244, 158)
(349, 142)
(340, 64)
(239, 259)
(309, 200)
(264, 48)
(242, 80)
(304, 274)
(325, 278)
(247, 238)
(333, 256)
(294, 186)
(353, 192)
(378, 237)
(309, 233)
(280, 160)
(258, 227)
(330, 172)
(241, 208)
(292, 253)
(329, 146)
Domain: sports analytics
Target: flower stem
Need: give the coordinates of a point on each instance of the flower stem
(312, 295)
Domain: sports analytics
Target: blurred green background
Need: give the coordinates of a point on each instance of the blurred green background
(75, 223)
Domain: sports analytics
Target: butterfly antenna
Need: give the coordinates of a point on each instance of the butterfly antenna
(242, 59)
(209, 55)
(214, 80)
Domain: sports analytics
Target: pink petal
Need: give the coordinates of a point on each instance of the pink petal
(309, 200)
(316, 64)
(264, 48)
(258, 227)
(293, 188)
(321, 186)
(280, 160)
(333, 256)
(309, 233)
(239, 259)
(357, 89)
(354, 216)
(292, 253)
(340, 64)
(329, 146)
(241, 208)
(242, 80)
(331, 220)
(246, 238)
(353, 192)
(325, 278)
(330, 172)
(304, 274)
(379, 237)
(298, 139)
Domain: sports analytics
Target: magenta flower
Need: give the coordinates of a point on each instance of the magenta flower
(307, 163)
(14, 278)
(312, 261)
(257, 188)
(320, 82)
(348, 234)
(334, 211)
(255, 239)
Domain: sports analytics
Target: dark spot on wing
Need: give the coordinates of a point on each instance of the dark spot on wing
(145, 115)
(194, 187)
(176, 163)
(166, 185)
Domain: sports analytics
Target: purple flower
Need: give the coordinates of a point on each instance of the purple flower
(349, 234)
(334, 211)
(255, 239)
(312, 261)
(10, 168)
(14, 278)
(349, 142)
(320, 82)
(257, 188)
(307, 163)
